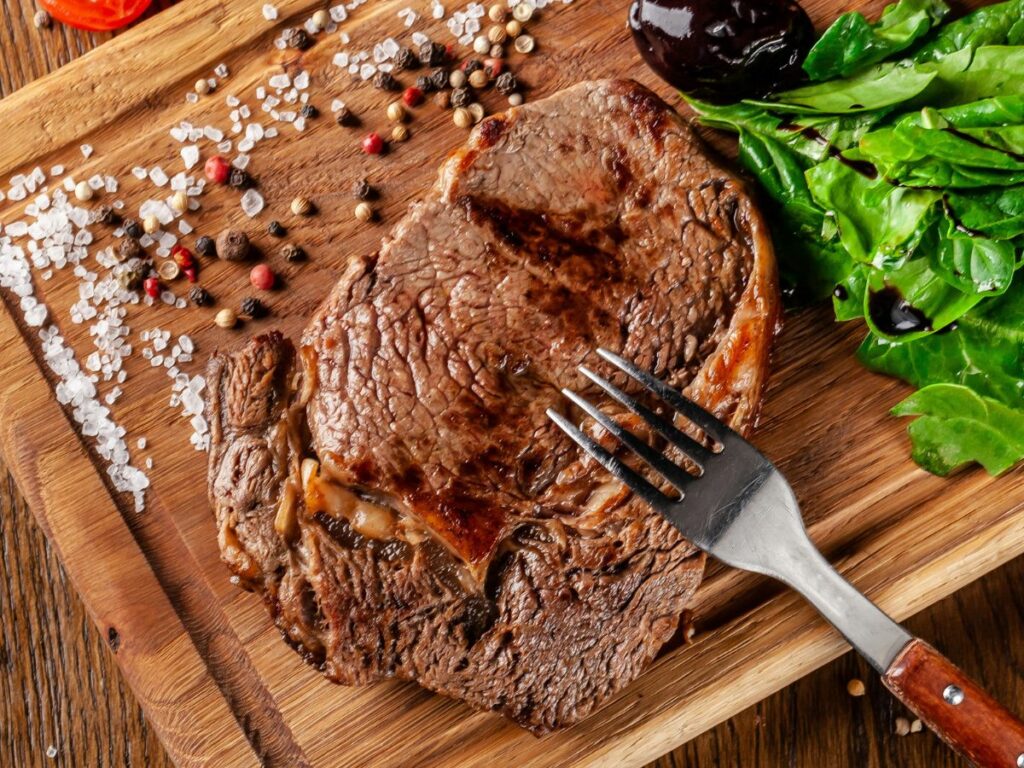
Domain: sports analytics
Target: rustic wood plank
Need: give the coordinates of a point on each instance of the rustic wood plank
(73, 117)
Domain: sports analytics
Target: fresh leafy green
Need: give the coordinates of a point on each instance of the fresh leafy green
(975, 265)
(852, 43)
(878, 222)
(956, 426)
(1000, 24)
(883, 85)
(896, 182)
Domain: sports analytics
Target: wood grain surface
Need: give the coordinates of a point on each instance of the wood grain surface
(61, 687)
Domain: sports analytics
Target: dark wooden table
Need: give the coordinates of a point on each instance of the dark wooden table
(62, 701)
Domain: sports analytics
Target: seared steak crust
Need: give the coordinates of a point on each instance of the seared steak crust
(449, 534)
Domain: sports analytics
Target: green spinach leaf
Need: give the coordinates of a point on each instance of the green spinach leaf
(852, 43)
(999, 24)
(878, 223)
(956, 426)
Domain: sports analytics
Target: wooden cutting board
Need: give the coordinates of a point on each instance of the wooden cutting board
(213, 676)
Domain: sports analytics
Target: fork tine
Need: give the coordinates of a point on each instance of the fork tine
(658, 461)
(683, 405)
(689, 447)
(637, 484)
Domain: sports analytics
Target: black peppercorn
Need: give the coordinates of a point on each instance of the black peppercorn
(239, 179)
(425, 84)
(129, 248)
(506, 83)
(309, 111)
(132, 228)
(345, 118)
(205, 246)
(432, 54)
(299, 39)
(460, 97)
(107, 215)
(293, 252)
(469, 66)
(276, 229)
(383, 81)
(405, 59)
(200, 296)
(253, 307)
(439, 79)
(362, 190)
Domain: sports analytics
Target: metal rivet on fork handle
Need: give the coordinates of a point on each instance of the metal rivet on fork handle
(953, 695)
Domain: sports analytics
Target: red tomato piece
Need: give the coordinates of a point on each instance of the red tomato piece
(96, 15)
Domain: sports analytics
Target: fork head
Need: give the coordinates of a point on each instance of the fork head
(730, 497)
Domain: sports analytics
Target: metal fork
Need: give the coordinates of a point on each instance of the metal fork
(740, 509)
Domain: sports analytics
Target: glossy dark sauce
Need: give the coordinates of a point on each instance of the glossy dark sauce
(894, 315)
(723, 50)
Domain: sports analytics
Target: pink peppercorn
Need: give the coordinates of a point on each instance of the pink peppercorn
(373, 144)
(182, 256)
(152, 287)
(217, 169)
(412, 96)
(262, 277)
(190, 274)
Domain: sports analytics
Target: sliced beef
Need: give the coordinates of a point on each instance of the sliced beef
(393, 487)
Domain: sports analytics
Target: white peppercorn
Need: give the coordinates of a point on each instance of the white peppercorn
(226, 318)
(396, 112)
(83, 191)
(462, 118)
(364, 212)
(524, 43)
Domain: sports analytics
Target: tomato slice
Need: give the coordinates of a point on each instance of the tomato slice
(96, 15)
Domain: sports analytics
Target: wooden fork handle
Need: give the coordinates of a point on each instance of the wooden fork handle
(955, 708)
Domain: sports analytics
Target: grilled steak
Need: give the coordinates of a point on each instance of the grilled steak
(392, 487)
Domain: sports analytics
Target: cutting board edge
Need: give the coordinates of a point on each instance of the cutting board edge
(14, 429)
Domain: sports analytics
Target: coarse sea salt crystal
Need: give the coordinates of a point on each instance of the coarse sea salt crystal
(252, 202)
(338, 13)
(336, 105)
(301, 80)
(86, 150)
(232, 100)
(192, 97)
(241, 162)
(139, 172)
(419, 38)
(279, 81)
(57, 170)
(366, 71)
(184, 227)
(221, 70)
(269, 12)
(190, 155)
(345, 38)
(225, 146)
(340, 60)
(213, 133)
(270, 133)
